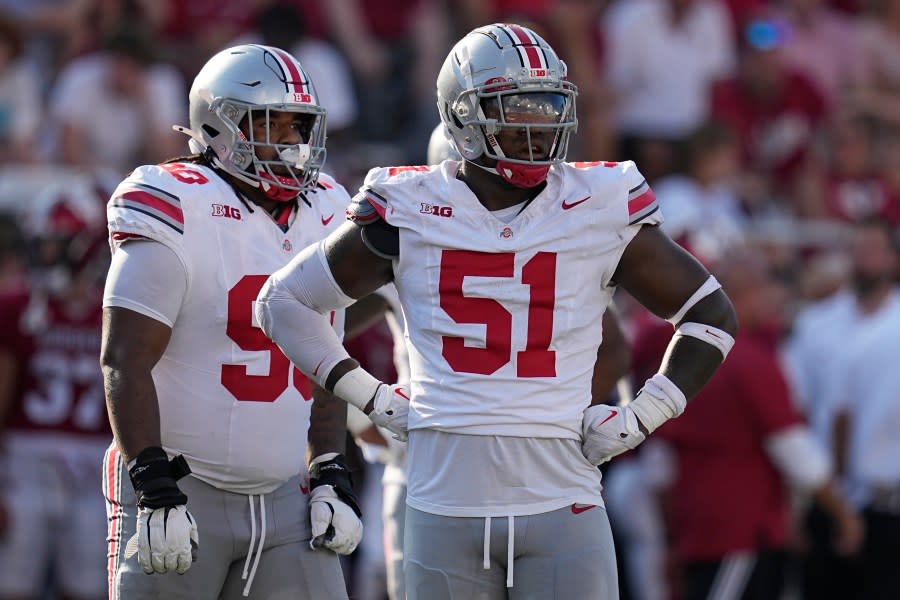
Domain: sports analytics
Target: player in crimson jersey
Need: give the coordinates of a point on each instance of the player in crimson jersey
(504, 263)
(51, 401)
(192, 384)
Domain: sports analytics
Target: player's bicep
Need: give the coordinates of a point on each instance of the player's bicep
(355, 267)
(130, 341)
(659, 273)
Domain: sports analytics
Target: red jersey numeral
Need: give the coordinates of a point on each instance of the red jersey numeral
(185, 174)
(397, 170)
(594, 163)
(539, 273)
(240, 329)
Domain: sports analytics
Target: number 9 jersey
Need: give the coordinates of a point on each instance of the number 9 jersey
(229, 400)
(504, 318)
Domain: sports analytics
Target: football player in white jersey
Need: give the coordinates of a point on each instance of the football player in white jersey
(210, 418)
(504, 263)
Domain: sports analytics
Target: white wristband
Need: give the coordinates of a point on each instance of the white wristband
(709, 286)
(721, 340)
(658, 401)
(356, 387)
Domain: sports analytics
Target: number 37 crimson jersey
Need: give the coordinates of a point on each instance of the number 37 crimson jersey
(229, 400)
(504, 319)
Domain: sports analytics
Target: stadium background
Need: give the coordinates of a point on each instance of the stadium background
(767, 128)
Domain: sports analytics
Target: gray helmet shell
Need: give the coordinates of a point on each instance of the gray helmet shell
(492, 61)
(440, 147)
(242, 82)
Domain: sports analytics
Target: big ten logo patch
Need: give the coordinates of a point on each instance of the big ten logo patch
(302, 98)
(434, 209)
(229, 212)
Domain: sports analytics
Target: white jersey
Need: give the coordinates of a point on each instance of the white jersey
(504, 319)
(229, 400)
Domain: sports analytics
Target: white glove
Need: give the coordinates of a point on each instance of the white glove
(608, 432)
(334, 524)
(391, 409)
(166, 539)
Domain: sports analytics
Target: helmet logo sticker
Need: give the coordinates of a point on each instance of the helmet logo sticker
(507, 233)
(287, 246)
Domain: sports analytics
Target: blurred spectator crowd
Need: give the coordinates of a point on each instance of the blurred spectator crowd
(769, 130)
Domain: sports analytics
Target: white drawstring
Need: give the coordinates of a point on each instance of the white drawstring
(252, 536)
(509, 551)
(487, 543)
(511, 533)
(262, 538)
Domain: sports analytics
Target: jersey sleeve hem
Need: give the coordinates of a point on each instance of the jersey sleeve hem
(120, 302)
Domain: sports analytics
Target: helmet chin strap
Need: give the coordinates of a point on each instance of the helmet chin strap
(520, 175)
(276, 192)
(517, 174)
(272, 192)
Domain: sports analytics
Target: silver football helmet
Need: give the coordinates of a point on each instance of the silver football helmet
(440, 147)
(237, 86)
(505, 69)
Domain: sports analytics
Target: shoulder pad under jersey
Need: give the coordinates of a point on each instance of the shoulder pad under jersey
(151, 202)
(328, 194)
(374, 197)
(629, 185)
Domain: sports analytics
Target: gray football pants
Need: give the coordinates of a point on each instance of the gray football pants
(287, 568)
(394, 516)
(560, 555)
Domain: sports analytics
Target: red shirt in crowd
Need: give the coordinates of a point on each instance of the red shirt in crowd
(59, 386)
(775, 134)
(727, 496)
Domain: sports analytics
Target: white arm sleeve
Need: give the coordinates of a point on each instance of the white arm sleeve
(798, 457)
(292, 310)
(147, 277)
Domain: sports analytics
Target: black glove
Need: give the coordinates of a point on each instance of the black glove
(333, 508)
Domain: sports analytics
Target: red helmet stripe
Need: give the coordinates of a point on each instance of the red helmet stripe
(529, 45)
(290, 67)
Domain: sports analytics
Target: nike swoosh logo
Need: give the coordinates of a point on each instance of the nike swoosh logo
(568, 205)
(608, 417)
(401, 394)
(328, 220)
(718, 337)
(577, 510)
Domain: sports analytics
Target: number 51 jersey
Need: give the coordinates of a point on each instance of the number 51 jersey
(229, 400)
(504, 318)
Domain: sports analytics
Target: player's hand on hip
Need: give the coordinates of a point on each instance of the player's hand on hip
(334, 523)
(334, 513)
(609, 431)
(166, 535)
(167, 539)
(390, 409)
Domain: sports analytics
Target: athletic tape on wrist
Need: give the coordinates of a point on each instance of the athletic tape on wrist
(721, 340)
(356, 387)
(709, 286)
(658, 401)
